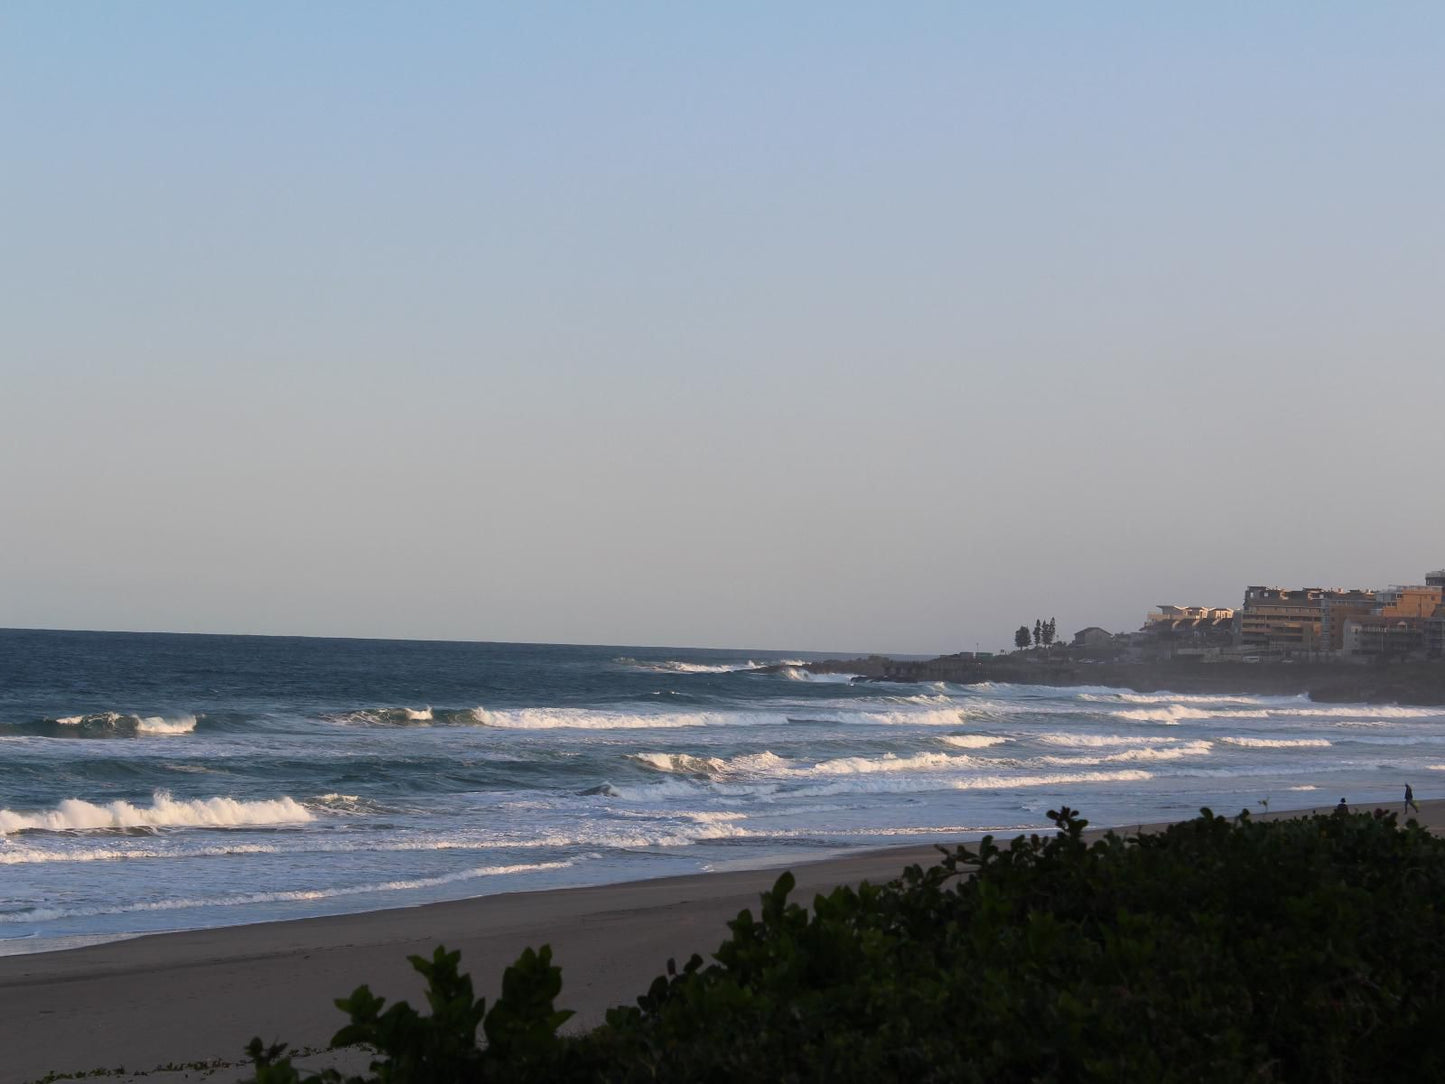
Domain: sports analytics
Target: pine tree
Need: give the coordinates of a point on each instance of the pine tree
(1021, 637)
(1038, 632)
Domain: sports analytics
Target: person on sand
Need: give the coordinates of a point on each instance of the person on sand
(1410, 799)
(1342, 810)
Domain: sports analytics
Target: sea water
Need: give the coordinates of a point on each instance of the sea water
(161, 782)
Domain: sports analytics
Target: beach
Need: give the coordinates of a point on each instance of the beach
(171, 999)
(225, 834)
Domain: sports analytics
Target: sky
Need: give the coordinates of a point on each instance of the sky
(821, 326)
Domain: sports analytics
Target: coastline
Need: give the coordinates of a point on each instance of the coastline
(197, 996)
(1407, 683)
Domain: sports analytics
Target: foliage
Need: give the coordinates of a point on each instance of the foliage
(521, 1029)
(1021, 637)
(1218, 950)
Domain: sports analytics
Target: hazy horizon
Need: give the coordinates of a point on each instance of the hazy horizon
(832, 327)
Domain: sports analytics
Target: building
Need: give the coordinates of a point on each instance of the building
(1435, 626)
(1375, 635)
(1399, 623)
(1193, 624)
(1408, 601)
(1093, 636)
(1335, 611)
(1291, 621)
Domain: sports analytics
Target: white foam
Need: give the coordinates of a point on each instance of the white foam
(114, 720)
(1171, 714)
(890, 763)
(155, 724)
(1090, 741)
(45, 914)
(1143, 753)
(999, 782)
(22, 856)
(712, 767)
(794, 673)
(1277, 743)
(74, 814)
(973, 741)
(950, 716)
(1103, 694)
(418, 715)
(677, 666)
(681, 763)
(590, 719)
(894, 783)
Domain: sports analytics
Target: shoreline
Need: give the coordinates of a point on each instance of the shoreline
(196, 996)
(1419, 684)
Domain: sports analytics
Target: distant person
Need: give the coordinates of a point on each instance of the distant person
(1410, 800)
(1342, 810)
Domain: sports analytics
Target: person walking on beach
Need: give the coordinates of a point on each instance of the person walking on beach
(1410, 800)
(1342, 810)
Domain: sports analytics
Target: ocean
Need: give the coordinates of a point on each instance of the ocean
(162, 782)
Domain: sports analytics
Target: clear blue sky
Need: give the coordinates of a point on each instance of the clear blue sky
(826, 326)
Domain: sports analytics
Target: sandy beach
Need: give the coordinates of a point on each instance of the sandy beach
(177, 998)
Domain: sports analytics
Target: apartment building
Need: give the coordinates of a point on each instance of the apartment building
(1196, 625)
(1399, 624)
(1435, 624)
(1292, 620)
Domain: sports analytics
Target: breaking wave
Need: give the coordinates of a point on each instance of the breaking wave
(1171, 714)
(998, 782)
(115, 723)
(604, 719)
(677, 666)
(892, 763)
(1142, 753)
(74, 814)
(797, 673)
(711, 767)
(1277, 743)
(1091, 741)
(950, 716)
(155, 724)
(973, 741)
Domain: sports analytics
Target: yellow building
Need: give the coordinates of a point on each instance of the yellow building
(1292, 620)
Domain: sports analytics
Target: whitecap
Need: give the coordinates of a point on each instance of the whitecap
(74, 814)
(155, 724)
(973, 741)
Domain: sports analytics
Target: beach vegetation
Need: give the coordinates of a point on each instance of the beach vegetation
(1021, 637)
(1220, 949)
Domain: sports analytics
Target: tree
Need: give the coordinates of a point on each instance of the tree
(1049, 627)
(1021, 638)
(1038, 633)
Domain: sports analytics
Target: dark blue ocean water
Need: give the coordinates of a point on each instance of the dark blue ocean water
(152, 782)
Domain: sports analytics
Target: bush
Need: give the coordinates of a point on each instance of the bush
(1218, 950)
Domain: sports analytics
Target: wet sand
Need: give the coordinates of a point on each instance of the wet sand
(199, 996)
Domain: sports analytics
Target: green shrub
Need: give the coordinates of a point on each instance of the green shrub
(1218, 950)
